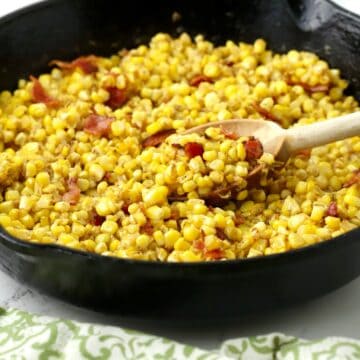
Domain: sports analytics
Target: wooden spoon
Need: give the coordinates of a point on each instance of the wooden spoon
(284, 143)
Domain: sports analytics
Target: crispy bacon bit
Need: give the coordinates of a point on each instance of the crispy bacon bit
(316, 88)
(222, 195)
(239, 220)
(107, 176)
(215, 254)
(220, 233)
(125, 207)
(193, 149)
(176, 146)
(265, 113)
(332, 209)
(228, 134)
(97, 125)
(306, 153)
(96, 219)
(199, 244)
(176, 197)
(198, 79)
(117, 97)
(254, 177)
(309, 88)
(39, 94)
(72, 196)
(147, 228)
(216, 201)
(88, 64)
(353, 180)
(254, 149)
(158, 138)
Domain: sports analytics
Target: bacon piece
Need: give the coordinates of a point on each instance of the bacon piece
(98, 125)
(198, 79)
(117, 97)
(199, 244)
(39, 94)
(332, 210)
(309, 88)
(220, 233)
(221, 196)
(125, 207)
(72, 196)
(88, 64)
(228, 134)
(176, 146)
(147, 228)
(158, 138)
(239, 220)
(215, 254)
(265, 113)
(229, 63)
(96, 219)
(306, 153)
(353, 180)
(193, 149)
(254, 149)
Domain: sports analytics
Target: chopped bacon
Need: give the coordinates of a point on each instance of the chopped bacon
(98, 125)
(309, 88)
(332, 210)
(193, 149)
(198, 79)
(353, 180)
(125, 207)
(304, 153)
(117, 97)
(96, 219)
(265, 113)
(254, 177)
(72, 196)
(215, 200)
(220, 233)
(229, 134)
(316, 88)
(107, 175)
(158, 138)
(147, 228)
(239, 220)
(88, 64)
(39, 94)
(254, 149)
(199, 244)
(222, 195)
(176, 146)
(215, 254)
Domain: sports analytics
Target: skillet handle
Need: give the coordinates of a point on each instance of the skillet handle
(310, 15)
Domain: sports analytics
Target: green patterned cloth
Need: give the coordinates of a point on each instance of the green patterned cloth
(28, 336)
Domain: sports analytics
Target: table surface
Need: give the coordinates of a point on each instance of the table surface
(333, 314)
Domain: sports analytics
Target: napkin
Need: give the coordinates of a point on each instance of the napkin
(30, 336)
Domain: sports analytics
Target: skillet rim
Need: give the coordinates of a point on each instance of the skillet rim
(6, 239)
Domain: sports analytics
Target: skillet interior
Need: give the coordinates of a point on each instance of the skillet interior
(63, 29)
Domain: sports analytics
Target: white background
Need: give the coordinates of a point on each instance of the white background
(335, 314)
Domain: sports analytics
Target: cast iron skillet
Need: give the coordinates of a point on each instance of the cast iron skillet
(65, 29)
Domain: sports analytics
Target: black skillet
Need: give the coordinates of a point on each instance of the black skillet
(65, 29)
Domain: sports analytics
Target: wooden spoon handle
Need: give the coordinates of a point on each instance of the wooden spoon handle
(321, 133)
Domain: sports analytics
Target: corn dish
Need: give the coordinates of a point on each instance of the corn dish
(91, 157)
